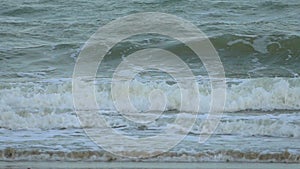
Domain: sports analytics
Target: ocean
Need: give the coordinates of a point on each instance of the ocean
(258, 43)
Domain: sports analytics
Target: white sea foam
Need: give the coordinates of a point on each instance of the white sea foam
(257, 124)
(49, 104)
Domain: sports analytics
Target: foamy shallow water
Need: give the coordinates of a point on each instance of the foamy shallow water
(260, 123)
(257, 138)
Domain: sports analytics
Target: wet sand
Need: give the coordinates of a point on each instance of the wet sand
(161, 165)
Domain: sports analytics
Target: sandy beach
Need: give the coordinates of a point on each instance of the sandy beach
(91, 165)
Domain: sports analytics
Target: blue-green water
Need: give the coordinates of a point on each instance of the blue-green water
(258, 43)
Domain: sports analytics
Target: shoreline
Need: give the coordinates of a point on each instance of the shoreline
(162, 165)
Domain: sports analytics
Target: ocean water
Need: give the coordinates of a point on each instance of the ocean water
(258, 44)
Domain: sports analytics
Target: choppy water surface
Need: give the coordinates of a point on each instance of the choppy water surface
(257, 41)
